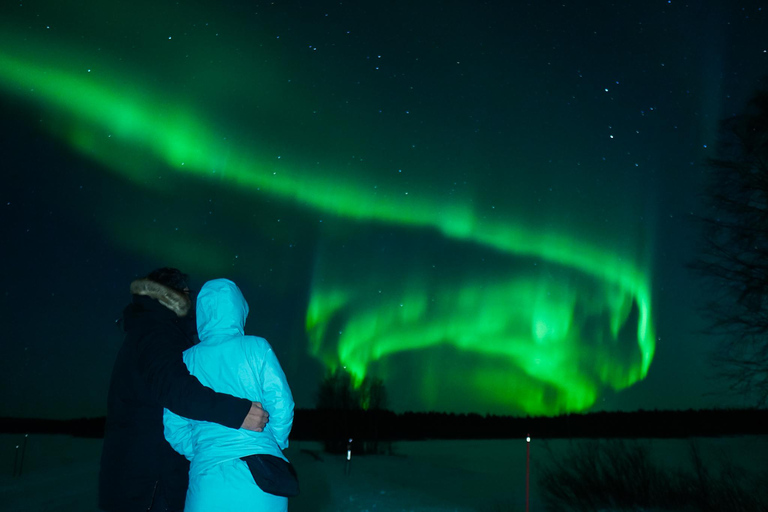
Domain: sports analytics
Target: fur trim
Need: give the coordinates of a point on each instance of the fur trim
(176, 301)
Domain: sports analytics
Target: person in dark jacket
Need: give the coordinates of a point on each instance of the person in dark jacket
(139, 469)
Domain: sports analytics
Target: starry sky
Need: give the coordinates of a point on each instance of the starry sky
(488, 205)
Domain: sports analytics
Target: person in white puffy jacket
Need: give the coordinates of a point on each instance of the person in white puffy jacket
(245, 366)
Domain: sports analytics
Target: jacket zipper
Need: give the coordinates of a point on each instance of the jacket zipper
(152, 499)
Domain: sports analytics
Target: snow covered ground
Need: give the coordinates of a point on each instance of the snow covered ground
(60, 472)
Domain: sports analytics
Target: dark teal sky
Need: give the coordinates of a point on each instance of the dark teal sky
(480, 203)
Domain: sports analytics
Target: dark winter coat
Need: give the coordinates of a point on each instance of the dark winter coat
(138, 466)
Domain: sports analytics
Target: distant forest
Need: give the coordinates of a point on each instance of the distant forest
(337, 426)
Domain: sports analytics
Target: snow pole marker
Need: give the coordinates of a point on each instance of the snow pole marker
(527, 469)
(347, 467)
(18, 463)
(23, 451)
(15, 460)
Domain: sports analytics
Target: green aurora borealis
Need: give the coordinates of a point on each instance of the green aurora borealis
(466, 270)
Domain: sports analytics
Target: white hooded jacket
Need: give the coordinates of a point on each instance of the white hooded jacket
(244, 366)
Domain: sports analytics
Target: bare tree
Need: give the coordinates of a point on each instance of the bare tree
(734, 258)
(357, 410)
(337, 391)
(373, 394)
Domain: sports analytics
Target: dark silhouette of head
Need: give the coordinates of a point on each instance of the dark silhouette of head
(170, 277)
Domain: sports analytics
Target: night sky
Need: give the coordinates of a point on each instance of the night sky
(488, 205)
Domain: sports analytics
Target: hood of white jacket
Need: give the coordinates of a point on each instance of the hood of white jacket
(221, 310)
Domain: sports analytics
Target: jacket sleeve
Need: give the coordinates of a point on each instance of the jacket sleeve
(278, 399)
(170, 383)
(179, 432)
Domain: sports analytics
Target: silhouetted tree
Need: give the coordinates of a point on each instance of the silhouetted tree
(373, 400)
(337, 392)
(373, 395)
(356, 410)
(734, 258)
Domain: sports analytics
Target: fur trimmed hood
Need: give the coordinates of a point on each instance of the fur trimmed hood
(176, 301)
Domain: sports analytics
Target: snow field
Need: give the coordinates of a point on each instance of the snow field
(60, 473)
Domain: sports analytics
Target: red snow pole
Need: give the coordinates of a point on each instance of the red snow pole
(527, 469)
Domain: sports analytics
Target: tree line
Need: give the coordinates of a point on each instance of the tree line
(336, 426)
